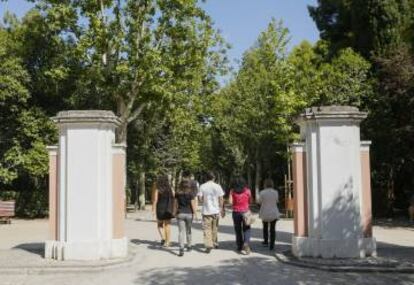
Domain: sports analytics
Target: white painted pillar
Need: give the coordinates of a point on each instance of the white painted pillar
(85, 216)
(334, 184)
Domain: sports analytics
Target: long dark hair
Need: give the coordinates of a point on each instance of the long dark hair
(163, 184)
(239, 184)
(186, 186)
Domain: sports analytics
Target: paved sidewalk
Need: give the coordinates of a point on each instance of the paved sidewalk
(21, 247)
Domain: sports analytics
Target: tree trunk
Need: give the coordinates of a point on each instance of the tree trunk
(141, 197)
(136, 194)
(180, 177)
(121, 131)
(219, 178)
(249, 176)
(173, 178)
(390, 193)
(258, 177)
(229, 181)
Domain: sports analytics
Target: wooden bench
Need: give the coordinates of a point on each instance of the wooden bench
(6, 211)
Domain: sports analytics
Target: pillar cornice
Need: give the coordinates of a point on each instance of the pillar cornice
(86, 116)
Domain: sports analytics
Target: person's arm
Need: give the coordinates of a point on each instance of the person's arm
(277, 198)
(194, 207)
(259, 198)
(175, 206)
(200, 196)
(154, 199)
(196, 202)
(195, 190)
(221, 204)
(231, 198)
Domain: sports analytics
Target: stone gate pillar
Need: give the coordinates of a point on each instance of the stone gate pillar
(86, 185)
(332, 185)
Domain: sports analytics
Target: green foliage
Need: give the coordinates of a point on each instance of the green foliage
(380, 30)
(249, 122)
(149, 61)
(24, 131)
(391, 126)
(368, 26)
(155, 63)
(305, 60)
(324, 80)
(391, 24)
(8, 195)
(346, 80)
(252, 117)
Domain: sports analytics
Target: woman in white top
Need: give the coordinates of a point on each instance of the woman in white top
(269, 212)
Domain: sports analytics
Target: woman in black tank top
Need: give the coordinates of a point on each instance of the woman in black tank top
(163, 207)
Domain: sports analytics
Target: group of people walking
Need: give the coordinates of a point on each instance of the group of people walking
(182, 205)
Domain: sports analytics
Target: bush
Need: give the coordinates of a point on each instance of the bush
(32, 200)
(8, 195)
(32, 204)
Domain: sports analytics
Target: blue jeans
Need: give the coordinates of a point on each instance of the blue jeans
(242, 230)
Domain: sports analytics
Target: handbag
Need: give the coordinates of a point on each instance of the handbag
(170, 207)
(248, 218)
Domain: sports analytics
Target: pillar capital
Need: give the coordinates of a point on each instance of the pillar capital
(332, 113)
(86, 116)
(298, 147)
(365, 146)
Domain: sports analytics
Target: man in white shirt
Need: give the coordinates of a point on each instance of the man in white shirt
(211, 196)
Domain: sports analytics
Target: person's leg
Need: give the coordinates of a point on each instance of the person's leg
(246, 237)
(160, 228)
(188, 223)
(207, 227)
(265, 233)
(214, 230)
(167, 228)
(181, 230)
(272, 234)
(215, 240)
(237, 221)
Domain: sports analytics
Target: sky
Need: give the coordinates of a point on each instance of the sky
(240, 21)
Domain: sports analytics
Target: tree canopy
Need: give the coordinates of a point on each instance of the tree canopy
(381, 31)
(368, 26)
(252, 117)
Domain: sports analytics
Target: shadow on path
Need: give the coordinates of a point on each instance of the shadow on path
(223, 245)
(396, 252)
(155, 245)
(394, 223)
(256, 230)
(258, 270)
(35, 248)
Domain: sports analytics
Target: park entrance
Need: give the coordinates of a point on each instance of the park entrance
(331, 182)
(86, 188)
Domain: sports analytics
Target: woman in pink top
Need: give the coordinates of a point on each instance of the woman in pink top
(240, 197)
